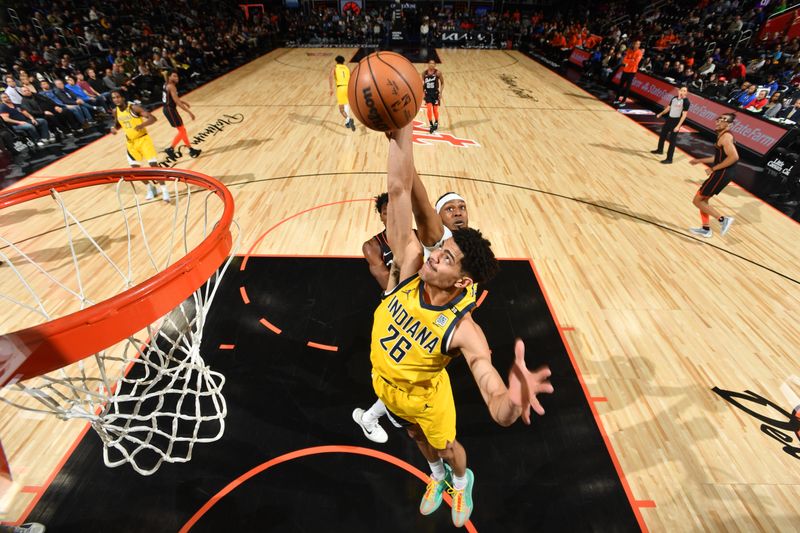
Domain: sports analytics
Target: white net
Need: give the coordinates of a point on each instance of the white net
(152, 397)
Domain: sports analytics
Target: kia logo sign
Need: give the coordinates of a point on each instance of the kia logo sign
(454, 36)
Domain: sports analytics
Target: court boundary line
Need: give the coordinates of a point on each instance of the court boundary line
(591, 401)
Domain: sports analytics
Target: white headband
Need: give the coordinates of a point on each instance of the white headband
(449, 197)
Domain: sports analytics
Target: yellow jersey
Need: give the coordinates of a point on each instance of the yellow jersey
(341, 74)
(411, 338)
(128, 120)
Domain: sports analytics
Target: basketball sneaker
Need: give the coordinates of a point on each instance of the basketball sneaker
(432, 128)
(702, 232)
(164, 193)
(151, 192)
(171, 152)
(725, 225)
(193, 152)
(374, 431)
(434, 492)
(352, 124)
(462, 501)
(436, 125)
(30, 527)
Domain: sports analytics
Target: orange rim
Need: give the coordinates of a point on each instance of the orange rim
(68, 339)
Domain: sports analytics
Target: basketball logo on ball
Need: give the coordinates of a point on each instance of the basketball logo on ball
(385, 91)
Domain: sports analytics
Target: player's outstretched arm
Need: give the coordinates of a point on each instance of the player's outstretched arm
(405, 247)
(505, 404)
(429, 223)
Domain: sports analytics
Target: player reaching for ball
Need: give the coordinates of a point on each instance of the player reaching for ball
(340, 76)
(422, 323)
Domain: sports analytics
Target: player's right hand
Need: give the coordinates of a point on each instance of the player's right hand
(694, 161)
(524, 385)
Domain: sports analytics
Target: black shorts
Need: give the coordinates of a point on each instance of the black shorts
(716, 181)
(432, 98)
(173, 117)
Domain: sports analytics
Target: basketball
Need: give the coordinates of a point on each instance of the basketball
(385, 91)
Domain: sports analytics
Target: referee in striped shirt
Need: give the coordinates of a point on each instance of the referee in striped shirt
(676, 113)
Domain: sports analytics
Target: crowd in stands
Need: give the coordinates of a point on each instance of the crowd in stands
(712, 47)
(60, 60)
(374, 26)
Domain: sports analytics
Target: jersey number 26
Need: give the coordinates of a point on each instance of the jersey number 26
(400, 346)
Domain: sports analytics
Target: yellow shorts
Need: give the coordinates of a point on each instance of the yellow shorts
(435, 411)
(141, 149)
(341, 95)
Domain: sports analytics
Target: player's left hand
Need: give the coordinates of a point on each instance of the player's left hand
(676, 130)
(709, 171)
(524, 385)
(139, 127)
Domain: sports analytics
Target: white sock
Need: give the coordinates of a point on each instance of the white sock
(459, 483)
(437, 470)
(372, 414)
(347, 111)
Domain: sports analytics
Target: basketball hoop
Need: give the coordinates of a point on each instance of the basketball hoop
(136, 304)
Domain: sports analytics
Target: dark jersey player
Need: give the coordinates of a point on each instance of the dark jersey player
(720, 174)
(376, 250)
(433, 83)
(171, 104)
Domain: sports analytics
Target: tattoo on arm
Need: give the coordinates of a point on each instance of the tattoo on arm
(394, 275)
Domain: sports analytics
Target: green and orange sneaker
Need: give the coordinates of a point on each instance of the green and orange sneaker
(432, 498)
(462, 501)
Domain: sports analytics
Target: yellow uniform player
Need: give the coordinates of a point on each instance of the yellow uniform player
(423, 322)
(340, 78)
(133, 120)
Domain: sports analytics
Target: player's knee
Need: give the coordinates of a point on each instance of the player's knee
(697, 200)
(415, 433)
(446, 454)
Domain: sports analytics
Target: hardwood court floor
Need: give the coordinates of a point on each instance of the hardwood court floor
(655, 318)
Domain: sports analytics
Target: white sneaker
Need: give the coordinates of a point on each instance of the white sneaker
(701, 232)
(725, 225)
(164, 193)
(151, 192)
(30, 527)
(373, 432)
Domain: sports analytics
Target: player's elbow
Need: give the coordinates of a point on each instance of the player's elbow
(398, 187)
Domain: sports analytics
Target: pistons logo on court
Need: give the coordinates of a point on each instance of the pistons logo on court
(777, 423)
(422, 136)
